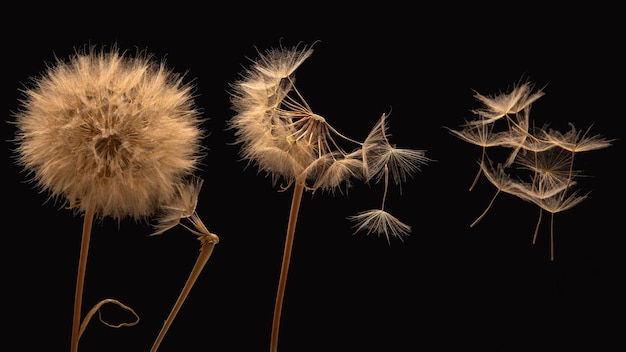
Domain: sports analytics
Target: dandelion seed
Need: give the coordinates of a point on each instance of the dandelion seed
(501, 180)
(380, 222)
(110, 135)
(543, 156)
(483, 136)
(378, 153)
(574, 142)
(501, 105)
(555, 204)
(329, 172)
(551, 169)
(182, 206)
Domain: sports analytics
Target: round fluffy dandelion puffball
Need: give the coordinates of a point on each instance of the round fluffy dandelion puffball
(109, 133)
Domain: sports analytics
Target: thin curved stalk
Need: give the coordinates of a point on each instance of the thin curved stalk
(486, 210)
(80, 278)
(480, 170)
(552, 236)
(282, 281)
(208, 243)
(537, 226)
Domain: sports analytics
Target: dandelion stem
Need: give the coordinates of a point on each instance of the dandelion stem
(80, 278)
(282, 281)
(205, 252)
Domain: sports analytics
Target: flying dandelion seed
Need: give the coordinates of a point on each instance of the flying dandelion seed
(540, 167)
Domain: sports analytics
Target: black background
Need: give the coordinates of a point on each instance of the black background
(446, 285)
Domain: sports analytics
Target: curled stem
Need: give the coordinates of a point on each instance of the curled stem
(97, 307)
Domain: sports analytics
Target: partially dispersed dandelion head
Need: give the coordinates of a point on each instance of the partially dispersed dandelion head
(109, 132)
(277, 129)
(281, 134)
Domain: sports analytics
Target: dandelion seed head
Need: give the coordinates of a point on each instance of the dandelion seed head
(279, 132)
(109, 132)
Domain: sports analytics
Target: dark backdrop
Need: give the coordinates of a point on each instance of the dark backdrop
(446, 285)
